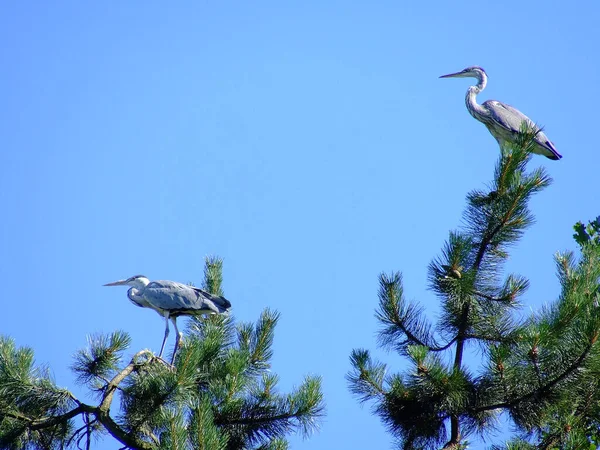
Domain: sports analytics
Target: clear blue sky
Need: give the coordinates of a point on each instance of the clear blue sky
(310, 144)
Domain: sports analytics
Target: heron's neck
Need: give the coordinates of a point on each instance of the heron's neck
(476, 110)
(134, 295)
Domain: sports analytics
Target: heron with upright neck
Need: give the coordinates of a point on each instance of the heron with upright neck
(503, 121)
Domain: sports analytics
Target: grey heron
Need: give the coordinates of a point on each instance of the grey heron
(503, 121)
(171, 300)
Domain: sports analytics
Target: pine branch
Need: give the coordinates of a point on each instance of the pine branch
(261, 340)
(213, 275)
(367, 379)
(101, 412)
(575, 365)
(259, 419)
(204, 434)
(95, 364)
(269, 416)
(78, 434)
(444, 347)
(275, 444)
(403, 323)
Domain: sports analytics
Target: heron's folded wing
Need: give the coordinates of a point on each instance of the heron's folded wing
(181, 298)
(508, 117)
(512, 119)
(172, 296)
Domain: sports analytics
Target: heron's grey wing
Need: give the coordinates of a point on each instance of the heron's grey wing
(180, 299)
(512, 119)
(507, 116)
(171, 296)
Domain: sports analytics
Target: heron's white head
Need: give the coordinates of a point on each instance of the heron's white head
(469, 72)
(137, 281)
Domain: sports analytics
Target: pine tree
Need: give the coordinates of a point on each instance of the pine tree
(541, 370)
(220, 395)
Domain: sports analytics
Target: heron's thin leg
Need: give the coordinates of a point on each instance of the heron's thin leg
(162, 347)
(177, 339)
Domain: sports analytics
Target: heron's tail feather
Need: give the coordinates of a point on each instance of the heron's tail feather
(222, 303)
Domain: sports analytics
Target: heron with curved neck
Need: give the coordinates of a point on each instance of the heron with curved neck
(171, 300)
(503, 121)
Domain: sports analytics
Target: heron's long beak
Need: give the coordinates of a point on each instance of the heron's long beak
(452, 75)
(117, 283)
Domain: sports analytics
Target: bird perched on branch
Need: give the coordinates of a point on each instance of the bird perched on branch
(502, 120)
(171, 300)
